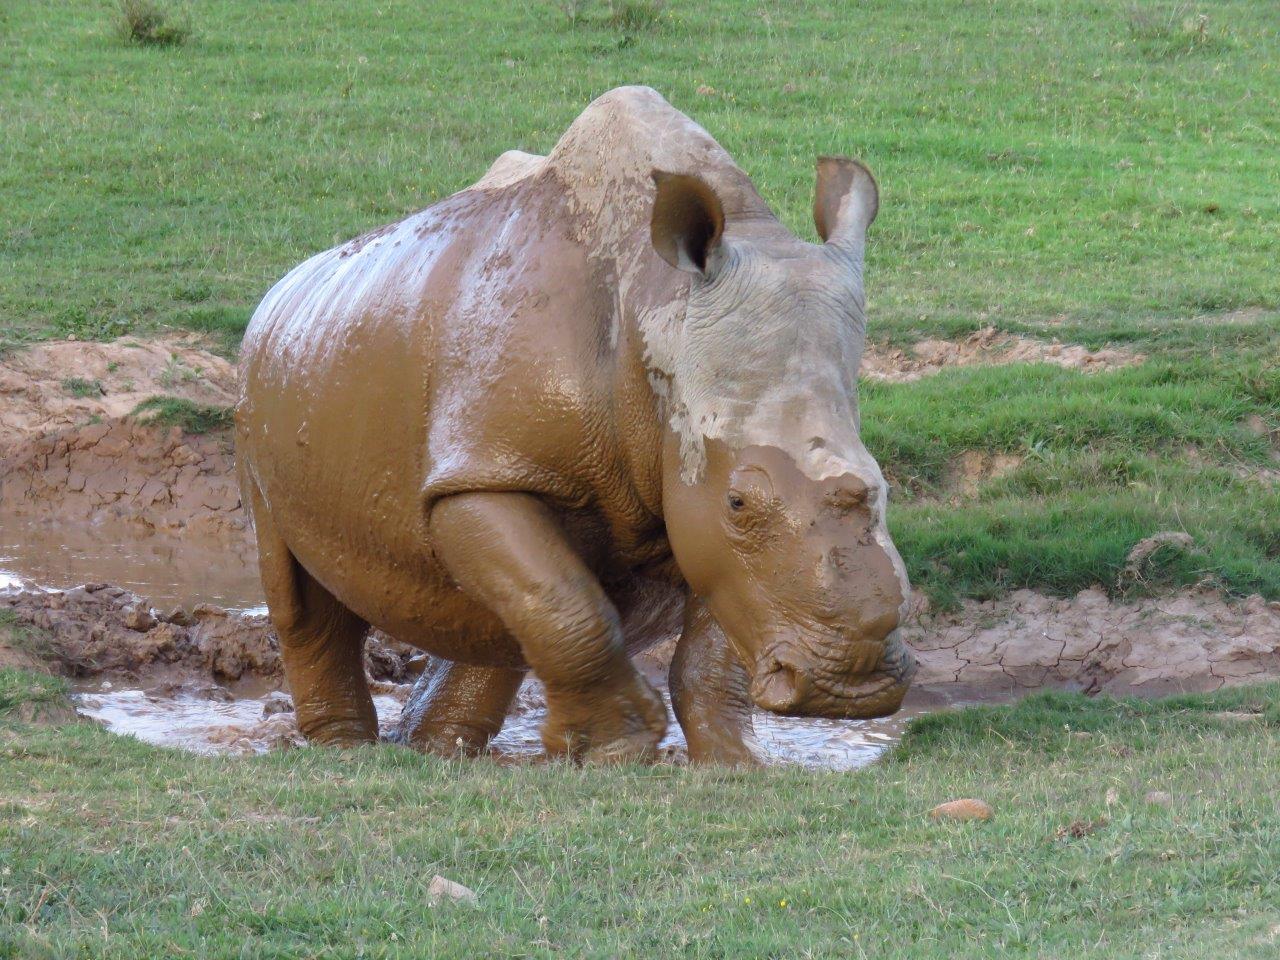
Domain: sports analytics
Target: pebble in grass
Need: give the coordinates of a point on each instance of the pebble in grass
(967, 808)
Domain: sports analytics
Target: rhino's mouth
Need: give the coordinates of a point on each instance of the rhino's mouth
(786, 684)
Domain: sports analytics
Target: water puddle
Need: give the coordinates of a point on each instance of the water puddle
(194, 721)
(181, 568)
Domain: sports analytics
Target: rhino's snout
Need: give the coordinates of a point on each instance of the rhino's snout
(869, 683)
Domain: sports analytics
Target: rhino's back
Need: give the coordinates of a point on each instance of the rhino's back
(339, 371)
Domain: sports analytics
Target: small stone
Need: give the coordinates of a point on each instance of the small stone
(967, 808)
(1158, 798)
(138, 618)
(276, 702)
(441, 889)
(178, 617)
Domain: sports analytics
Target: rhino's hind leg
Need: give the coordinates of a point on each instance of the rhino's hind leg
(507, 551)
(456, 708)
(321, 643)
(709, 692)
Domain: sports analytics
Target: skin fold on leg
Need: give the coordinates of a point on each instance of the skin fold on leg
(457, 708)
(321, 644)
(709, 692)
(507, 551)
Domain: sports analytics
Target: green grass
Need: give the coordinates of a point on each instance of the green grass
(1108, 459)
(1050, 158)
(114, 849)
(180, 412)
(81, 388)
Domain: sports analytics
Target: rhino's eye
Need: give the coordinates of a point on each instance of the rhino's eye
(736, 502)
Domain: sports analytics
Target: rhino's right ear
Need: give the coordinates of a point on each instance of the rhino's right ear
(688, 222)
(846, 200)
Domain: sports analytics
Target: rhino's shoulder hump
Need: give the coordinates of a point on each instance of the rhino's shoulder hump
(605, 160)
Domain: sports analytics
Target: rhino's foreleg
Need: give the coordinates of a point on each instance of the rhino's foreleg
(709, 691)
(457, 708)
(508, 552)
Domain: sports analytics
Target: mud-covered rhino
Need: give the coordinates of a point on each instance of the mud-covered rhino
(533, 424)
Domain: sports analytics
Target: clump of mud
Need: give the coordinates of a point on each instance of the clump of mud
(125, 470)
(99, 630)
(1193, 640)
(985, 347)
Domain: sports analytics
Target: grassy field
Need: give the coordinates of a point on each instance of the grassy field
(113, 849)
(1042, 159)
(1102, 173)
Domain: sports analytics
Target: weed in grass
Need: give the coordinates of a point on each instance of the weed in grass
(632, 16)
(175, 373)
(82, 388)
(1171, 31)
(150, 24)
(180, 412)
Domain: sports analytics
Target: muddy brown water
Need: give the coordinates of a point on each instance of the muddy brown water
(178, 568)
(187, 568)
(193, 721)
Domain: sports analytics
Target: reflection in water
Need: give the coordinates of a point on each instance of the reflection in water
(182, 567)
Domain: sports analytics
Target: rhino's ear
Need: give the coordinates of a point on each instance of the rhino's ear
(845, 201)
(688, 222)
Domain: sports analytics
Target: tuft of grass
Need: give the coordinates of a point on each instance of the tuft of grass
(180, 412)
(632, 16)
(1171, 31)
(150, 24)
(82, 388)
(30, 696)
(1042, 721)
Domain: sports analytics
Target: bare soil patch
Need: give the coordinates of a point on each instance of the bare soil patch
(1194, 640)
(70, 451)
(58, 384)
(985, 347)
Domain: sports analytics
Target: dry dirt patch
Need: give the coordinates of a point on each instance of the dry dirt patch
(70, 451)
(985, 347)
(48, 387)
(1194, 639)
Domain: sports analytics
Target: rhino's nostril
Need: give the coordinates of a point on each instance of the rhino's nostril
(779, 686)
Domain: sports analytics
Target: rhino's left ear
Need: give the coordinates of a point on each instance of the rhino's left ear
(846, 200)
(688, 222)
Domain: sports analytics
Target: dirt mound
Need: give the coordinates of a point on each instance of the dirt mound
(1191, 640)
(47, 387)
(125, 470)
(101, 630)
(69, 449)
(985, 347)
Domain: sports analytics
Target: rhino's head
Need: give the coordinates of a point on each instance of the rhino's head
(774, 508)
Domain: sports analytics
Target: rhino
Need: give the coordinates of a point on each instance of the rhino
(596, 394)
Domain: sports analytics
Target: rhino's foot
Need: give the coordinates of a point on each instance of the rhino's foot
(331, 731)
(451, 739)
(621, 723)
(721, 749)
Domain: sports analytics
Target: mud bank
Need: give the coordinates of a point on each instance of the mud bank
(72, 448)
(103, 631)
(1192, 640)
(985, 347)
(125, 470)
